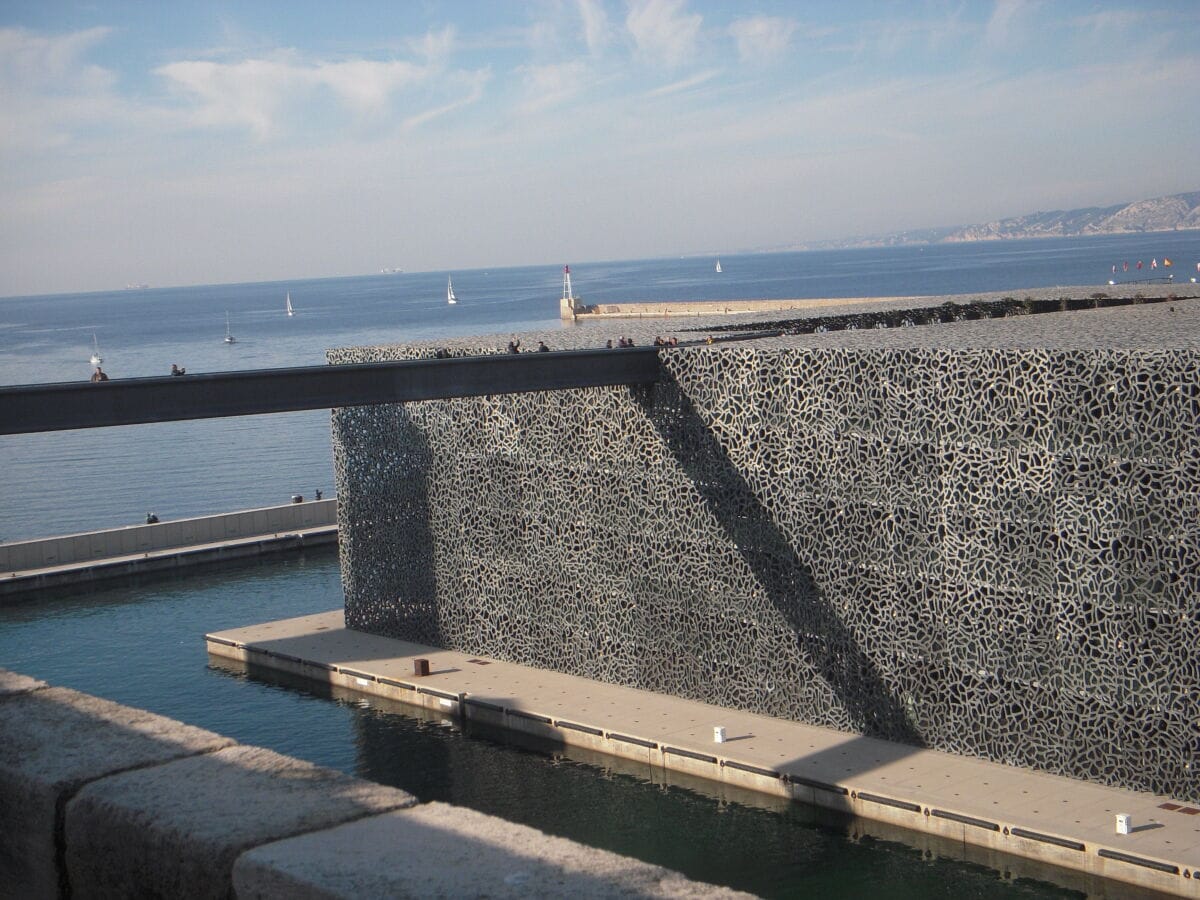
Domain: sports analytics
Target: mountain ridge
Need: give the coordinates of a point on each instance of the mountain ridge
(1174, 212)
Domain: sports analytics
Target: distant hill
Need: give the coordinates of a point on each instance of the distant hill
(1174, 213)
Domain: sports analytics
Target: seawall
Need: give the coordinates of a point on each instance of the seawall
(692, 308)
(99, 799)
(97, 555)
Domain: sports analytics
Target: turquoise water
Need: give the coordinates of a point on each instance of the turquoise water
(141, 643)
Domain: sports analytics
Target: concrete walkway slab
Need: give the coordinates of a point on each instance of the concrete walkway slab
(1054, 819)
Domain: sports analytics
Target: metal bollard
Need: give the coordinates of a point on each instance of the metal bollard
(420, 667)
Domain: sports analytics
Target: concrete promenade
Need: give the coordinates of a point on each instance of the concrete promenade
(1004, 810)
(180, 543)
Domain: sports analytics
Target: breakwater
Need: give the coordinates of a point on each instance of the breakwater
(110, 553)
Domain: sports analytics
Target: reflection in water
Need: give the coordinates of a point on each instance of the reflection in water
(709, 831)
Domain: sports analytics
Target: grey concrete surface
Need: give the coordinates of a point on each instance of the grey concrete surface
(15, 683)
(136, 540)
(53, 741)
(449, 852)
(175, 830)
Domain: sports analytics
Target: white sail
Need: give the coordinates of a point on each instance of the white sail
(229, 338)
(96, 357)
(450, 298)
(718, 266)
(289, 304)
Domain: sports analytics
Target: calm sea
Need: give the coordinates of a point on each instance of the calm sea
(83, 480)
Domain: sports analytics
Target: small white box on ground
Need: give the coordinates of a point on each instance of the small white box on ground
(1123, 825)
(719, 734)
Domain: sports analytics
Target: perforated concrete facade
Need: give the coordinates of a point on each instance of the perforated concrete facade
(990, 550)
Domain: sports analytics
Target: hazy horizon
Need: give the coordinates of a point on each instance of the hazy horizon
(230, 144)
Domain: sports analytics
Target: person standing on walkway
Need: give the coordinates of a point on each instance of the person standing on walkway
(99, 375)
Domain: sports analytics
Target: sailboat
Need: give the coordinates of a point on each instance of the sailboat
(96, 357)
(229, 338)
(450, 298)
(290, 312)
(718, 267)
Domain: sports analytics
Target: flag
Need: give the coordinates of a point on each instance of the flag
(1154, 263)
(1125, 266)
(1114, 268)
(1139, 263)
(1166, 262)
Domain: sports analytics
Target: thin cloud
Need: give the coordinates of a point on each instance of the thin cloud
(475, 83)
(1006, 19)
(548, 86)
(49, 93)
(662, 31)
(595, 25)
(762, 39)
(258, 93)
(684, 84)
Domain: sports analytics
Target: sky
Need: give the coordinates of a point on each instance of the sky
(215, 142)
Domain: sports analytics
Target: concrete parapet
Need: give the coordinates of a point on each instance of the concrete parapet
(54, 741)
(101, 800)
(449, 852)
(96, 545)
(176, 829)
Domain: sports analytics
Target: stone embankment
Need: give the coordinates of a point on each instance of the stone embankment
(138, 549)
(99, 799)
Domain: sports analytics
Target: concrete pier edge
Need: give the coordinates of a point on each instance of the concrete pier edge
(1030, 837)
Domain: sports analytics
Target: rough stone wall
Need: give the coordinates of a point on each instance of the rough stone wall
(990, 552)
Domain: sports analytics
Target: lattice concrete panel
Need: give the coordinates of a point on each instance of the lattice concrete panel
(990, 552)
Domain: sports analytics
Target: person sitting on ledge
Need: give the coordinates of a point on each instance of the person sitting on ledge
(99, 375)
(514, 346)
(542, 348)
(151, 519)
(608, 345)
(176, 370)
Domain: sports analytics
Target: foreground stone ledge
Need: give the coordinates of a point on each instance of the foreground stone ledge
(449, 852)
(175, 830)
(15, 683)
(52, 742)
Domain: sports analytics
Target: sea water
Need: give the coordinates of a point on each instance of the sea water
(108, 477)
(74, 481)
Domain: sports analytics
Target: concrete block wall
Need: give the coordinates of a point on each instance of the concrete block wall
(102, 800)
(74, 548)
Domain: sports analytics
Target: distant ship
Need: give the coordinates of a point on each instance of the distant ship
(390, 271)
(96, 357)
(718, 267)
(450, 298)
(229, 338)
(290, 312)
